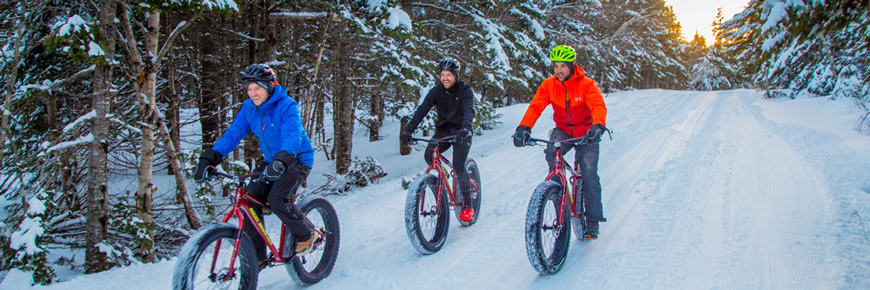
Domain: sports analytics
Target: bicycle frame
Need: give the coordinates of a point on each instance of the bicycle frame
(560, 166)
(242, 209)
(437, 164)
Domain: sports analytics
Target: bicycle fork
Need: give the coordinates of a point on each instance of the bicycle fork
(236, 245)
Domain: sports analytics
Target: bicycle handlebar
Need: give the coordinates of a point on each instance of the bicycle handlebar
(447, 139)
(573, 141)
(225, 175)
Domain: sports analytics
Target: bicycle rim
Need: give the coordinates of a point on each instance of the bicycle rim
(204, 278)
(428, 213)
(550, 230)
(310, 262)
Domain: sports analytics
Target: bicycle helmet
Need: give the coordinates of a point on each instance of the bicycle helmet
(261, 74)
(563, 53)
(449, 64)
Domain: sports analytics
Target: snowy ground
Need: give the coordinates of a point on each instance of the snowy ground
(701, 190)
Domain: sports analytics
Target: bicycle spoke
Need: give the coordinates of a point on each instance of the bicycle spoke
(317, 219)
(428, 219)
(205, 279)
(549, 232)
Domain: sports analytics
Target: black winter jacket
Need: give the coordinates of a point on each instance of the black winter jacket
(455, 108)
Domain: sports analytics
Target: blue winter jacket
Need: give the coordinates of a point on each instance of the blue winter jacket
(276, 123)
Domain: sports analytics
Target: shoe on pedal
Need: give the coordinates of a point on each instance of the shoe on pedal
(305, 247)
(467, 214)
(591, 230)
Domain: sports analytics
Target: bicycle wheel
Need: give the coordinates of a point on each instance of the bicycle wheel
(315, 266)
(474, 175)
(214, 243)
(425, 224)
(546, 243)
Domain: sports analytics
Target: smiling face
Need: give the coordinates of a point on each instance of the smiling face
(447, 79)
(562, 70)
(257, 94)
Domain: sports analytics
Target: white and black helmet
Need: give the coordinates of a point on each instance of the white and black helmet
(449, 64)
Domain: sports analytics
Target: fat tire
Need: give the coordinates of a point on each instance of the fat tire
(546, 263)
(412, 221)
(193, 249)
(332, 239)
(473, 174)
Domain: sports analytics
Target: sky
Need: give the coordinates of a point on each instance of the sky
(698, 15)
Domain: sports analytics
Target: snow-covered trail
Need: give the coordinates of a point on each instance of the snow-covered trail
(698, 195)
(701, 190)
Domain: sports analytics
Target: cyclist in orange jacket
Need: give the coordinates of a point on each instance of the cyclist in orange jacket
(578, 110)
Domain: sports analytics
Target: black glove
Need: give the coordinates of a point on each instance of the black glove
(206, 167)
(594, 133)
(405, 138)
(282, 161)
(522, 135)
(463, 133)
(463, 136)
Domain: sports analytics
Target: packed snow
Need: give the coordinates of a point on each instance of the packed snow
(701, 190)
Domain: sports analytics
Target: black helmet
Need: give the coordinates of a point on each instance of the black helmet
(258, 72)
(449, 64)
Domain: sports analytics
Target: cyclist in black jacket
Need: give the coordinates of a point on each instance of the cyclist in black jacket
(454, 101)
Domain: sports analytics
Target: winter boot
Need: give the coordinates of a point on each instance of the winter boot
(591, 230)
(467, 214)
(305, 247)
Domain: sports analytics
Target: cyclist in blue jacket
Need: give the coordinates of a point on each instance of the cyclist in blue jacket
(274, 118)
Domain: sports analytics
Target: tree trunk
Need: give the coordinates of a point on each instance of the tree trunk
(251, 147)
(145, 195)
(377, 110)
(97, 216)
(404, 149)
(343, 119)
(270, 45)
(173, 111)
(182, 195)
(307, 101)
(12, 78)
(209, 110)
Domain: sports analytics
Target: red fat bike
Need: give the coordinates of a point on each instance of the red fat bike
(430, 196)
(556, 205)
(222, 256)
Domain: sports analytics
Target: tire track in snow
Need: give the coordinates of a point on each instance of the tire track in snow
(777, 208)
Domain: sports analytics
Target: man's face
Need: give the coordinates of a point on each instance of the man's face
(447, 79)
(562, 70)
(257, 94)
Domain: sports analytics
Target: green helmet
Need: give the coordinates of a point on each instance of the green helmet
(563, 53)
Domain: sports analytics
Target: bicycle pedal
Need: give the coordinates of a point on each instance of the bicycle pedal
(590, 237)
(306, 251)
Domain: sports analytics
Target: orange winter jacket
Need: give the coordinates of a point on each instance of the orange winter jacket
(577, 103)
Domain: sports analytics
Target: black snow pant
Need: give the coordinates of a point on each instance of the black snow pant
(587, 157)
(277, 194)
(460, 154)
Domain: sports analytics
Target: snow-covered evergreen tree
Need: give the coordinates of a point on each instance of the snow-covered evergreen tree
(808, 48)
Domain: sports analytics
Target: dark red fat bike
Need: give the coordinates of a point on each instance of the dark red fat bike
(555, 206)
(222, 256)
(430, 196)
